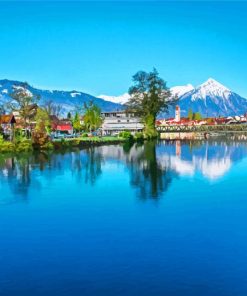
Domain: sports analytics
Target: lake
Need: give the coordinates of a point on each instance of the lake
(166, 218)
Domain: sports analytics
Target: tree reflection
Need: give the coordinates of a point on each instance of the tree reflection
(148, 175)
(17, 173)
(93, 165)
(151, 167)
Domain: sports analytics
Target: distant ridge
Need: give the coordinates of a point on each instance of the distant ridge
(211, 98)
(69, 100)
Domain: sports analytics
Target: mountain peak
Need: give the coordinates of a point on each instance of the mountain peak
(212, 84)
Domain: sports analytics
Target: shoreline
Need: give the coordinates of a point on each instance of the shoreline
(9, 148)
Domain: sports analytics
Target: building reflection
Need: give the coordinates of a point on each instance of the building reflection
(151, 166)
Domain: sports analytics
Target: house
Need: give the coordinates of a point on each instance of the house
(7, 123)
(62, 127)
(118, 121)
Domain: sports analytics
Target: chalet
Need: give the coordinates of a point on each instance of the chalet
(7, 123)
(62, 127)
(117, 121)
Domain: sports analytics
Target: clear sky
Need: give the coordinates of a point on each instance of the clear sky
(97, 46)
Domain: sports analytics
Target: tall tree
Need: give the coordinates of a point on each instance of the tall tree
(190, 114)
(92, 116)
(149, 96)
(69, 116)
(24, 102)
(42, 128)
(76, 123)
(197, 116)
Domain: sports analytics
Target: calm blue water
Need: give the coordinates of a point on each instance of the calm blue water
(165, 219)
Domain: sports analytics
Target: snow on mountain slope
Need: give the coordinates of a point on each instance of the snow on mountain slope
(69, 100)
(116, 99)
(181, 90)
(211, 88)
(211, 98)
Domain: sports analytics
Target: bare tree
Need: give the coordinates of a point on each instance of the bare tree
(52, 108)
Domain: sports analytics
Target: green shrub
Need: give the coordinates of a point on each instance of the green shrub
(19, 135)
(48, 146)
(139, 136)
(24, 146)
(6, 146)
(126, 135)
(84, 135)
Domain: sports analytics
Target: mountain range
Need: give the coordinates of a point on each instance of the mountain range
(211, 98)
(69, 100)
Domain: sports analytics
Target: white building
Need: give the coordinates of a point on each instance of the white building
(118, 121)
(177, 114)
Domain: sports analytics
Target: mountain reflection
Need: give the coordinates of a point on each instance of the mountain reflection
(151, 167)
(212, 159)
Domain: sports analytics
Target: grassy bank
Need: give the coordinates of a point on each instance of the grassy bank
(15, 147)
(26, 145)
(86, 141)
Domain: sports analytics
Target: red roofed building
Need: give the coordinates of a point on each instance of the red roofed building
(63, 127)
(7, 123)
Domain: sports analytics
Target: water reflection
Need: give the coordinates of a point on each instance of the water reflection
(211, 159)
(148, 175)
(151, 166)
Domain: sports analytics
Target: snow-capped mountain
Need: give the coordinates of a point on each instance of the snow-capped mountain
(211, 88)
(181, 90)
(116, 99)
(212, 99)
(122, 99)
(69, 100)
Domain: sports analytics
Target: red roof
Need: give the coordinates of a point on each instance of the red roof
(63, 127)
(7, 119)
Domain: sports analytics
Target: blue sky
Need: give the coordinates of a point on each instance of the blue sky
(97, 46)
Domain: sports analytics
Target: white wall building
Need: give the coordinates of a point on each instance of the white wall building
(177, 114)
(118, 121)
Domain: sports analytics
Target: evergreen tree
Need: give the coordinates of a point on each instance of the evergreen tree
(69, 115)
(190, 114)
(197, 116)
